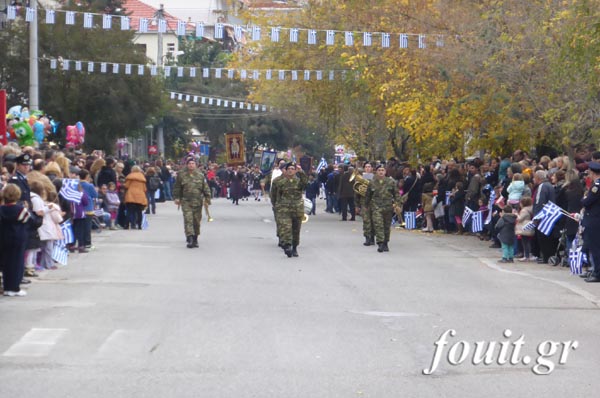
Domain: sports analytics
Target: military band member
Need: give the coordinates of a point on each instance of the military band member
(591, 222)
(364, 211)
(382, 197)
(191, 191)
(289, 206)
(275, 174)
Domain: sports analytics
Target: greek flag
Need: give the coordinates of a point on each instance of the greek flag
(90, 67)
(218, 73)
(548, 217)
(60, 253)
(53, 64)
(153, 70)
(530, 226)
(422, 43)
(385, 40)
(331, 75)
(115, 68)
(179, 71)
(477, 223)
(440, 41)
(488, 219)
(330, 38)
(367, 39)
(403, 40)
(50, 17)
(67, 232)
(70, 191)
(294, 35)
(322, 164)
(162, 26)
(275, 34)
(180, 28)
(576, 261)
(410, 220)
(145, 224)
(30, 14)
(143, 28)
(447, 201)
(167, 71)
(140, 70)
(256, 33)
(243, 74)
(66, 64)
(88, 20)
(78, 65)
(103, 67)
(237, 32)
(106, 21)
(349, 38)
(200, 29)
(306, 75)
(205, 72)
(312, 36)
(466, 215)
(269, 74)
(11, 12)
(255, 74)
(230, 73)
(70, 18)
(319, 75)
(125, 23)
(128, 69)
(294, 75)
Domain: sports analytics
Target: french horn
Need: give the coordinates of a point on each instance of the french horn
(360, 184)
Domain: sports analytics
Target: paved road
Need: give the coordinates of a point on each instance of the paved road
(143, 316)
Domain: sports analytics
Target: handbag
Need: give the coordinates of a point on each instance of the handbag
(404, 197)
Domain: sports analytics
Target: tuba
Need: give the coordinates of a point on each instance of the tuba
(360, 184)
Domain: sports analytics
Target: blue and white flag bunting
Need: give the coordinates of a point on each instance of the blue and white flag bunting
(30, 14)
(466, 216)
(70, 190)
(256, 33)
(410, 220)
(180, 28)
(477, 222)
(143, 25)
(312, 36)
(385, 40)
(294, 35)
(330, 38)
(367, 39)
(349, 38)
(11, 12)
(70, 18)
(50, 17)
(106, 21)
(162, 26)
(199, 30)
(125, 23)
(275, 34)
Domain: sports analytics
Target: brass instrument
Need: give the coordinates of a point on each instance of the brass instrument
(307, 209)
(360, 184)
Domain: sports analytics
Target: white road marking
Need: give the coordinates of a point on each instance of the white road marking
(35, 343)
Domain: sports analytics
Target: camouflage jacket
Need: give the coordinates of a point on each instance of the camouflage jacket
(382, 193)
(191, 188)
(287, 192)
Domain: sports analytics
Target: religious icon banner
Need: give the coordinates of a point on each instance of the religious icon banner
(267, 160)
(235, 148)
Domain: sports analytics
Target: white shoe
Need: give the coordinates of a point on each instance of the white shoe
(20, 293)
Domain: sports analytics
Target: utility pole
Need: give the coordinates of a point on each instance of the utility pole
(160, 14)
(34, 85)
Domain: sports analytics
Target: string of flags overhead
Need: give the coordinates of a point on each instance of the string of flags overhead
(205, 73)
(254, 32)
(222, 102)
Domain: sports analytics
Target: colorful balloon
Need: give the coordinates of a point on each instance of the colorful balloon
(38, 131)
(72, 137)
(15, 112)
(81, 132)
(24, 133)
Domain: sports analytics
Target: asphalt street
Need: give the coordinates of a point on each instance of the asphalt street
(143, 316)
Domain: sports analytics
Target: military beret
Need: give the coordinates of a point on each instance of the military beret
(594, 166)
(190, 159)
(23, 159)
(367, 163)
(290, 164)
(380, 166)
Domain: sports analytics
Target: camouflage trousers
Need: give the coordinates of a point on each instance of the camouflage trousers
(289, 222)
(276, 224)
(192, 215)
(382, 222)
(367, 218)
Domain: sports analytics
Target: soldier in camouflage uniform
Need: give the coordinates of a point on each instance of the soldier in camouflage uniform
(382, 197)
(286, 196)
(364, 211)
(191, 190)
(270, 181)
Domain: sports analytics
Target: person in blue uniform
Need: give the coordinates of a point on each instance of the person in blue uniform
(20, 177)
(591, 222)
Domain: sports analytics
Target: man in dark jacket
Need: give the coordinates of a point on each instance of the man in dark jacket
(543, 193)
(346, 194)
(107, 173)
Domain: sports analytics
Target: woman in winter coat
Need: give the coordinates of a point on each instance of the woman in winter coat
(135, 197)
(526, 236)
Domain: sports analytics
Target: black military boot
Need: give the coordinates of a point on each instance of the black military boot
(195, 241)
(380, 247)
(294, 251)
(190, 242)
(368, 241)
(385, 247)
(288, 250)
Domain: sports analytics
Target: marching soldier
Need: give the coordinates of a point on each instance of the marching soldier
(272, 178)
(289, 206)
(192, 192)
(382, 197)
(591, 222)
(365, 211)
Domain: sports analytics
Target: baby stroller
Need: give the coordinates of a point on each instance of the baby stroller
(561, 256)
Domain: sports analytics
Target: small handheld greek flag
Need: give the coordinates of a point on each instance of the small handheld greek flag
(477, 222)
(322, 164)
(447, 201)
(70, 190)
(67, 231)
(60, 253)
(145, 224)
(488, 219)
(410, 220)
(548, 217)
(466, 216)
(576, 261)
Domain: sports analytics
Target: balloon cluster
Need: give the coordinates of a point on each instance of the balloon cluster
(75, 135)
(29, 127)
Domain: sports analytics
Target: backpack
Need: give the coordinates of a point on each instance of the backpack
(154, 183)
